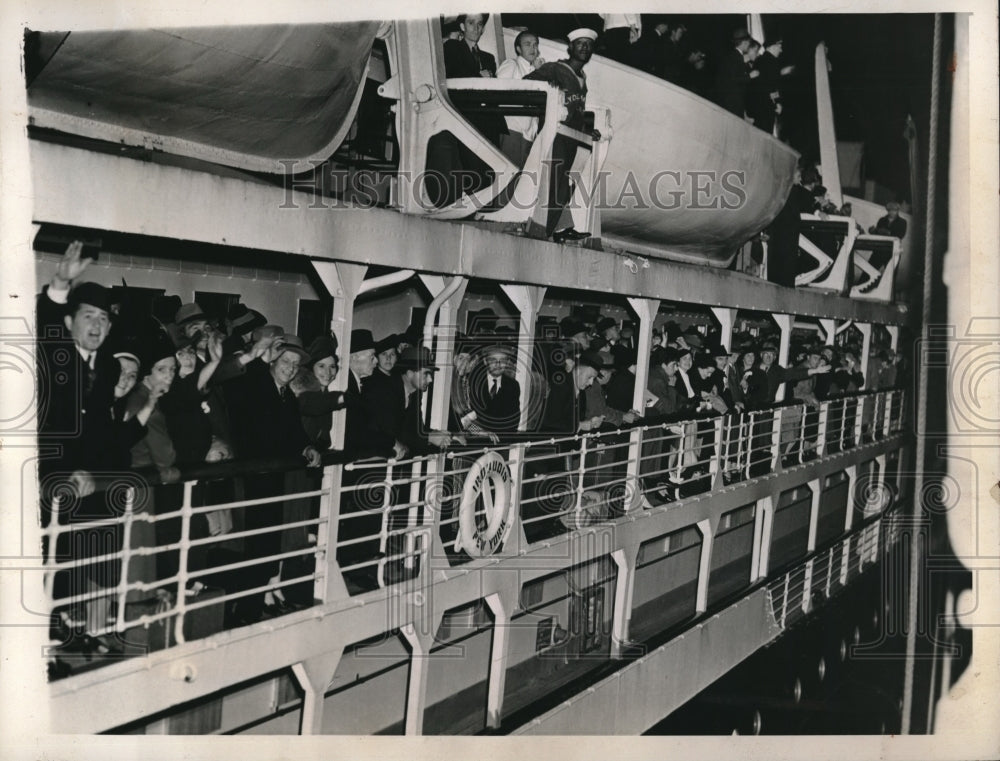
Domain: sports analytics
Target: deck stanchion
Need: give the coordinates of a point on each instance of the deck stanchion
(625, 561)
(129, 518)
(707, 528)
(416, 693)
(182, 572)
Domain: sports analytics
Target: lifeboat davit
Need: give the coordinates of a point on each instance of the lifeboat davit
(685, 179)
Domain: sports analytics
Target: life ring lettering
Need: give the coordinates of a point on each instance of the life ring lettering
(490, 477)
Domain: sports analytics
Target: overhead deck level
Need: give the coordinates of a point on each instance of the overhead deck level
(171, 202)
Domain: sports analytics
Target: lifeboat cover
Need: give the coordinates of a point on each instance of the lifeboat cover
(251, 97)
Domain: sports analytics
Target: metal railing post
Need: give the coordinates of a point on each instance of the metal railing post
(412, 516)
(182, 567)
(383, 539)
(122, 590)
(324, 559)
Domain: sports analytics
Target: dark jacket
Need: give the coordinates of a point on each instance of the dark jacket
(361, 436)
(500, 413)
(731, 80)
(461, 61)
(775, 375)
(317, 406)
(187, 413)
(561, 74)
(265, 423)
(564, 408)
(77, 427)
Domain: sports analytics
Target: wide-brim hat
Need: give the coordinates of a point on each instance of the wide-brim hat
(189, 312)
(416, 358)
(740, 34)
(321, 348)
(362, 340)
(391, 341)
(94, 294)
(155, 347)
(718, 350)
(768, 346)
(244, 320)
(291, 342)
(594, 359)
(704, 361)
(692, 338)
(606, 322)
(267, 331)
(571, 328)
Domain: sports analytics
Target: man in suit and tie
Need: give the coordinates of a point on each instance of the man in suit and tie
(463, 58)
(453, 167)
(495, 395)
(81, 440)
(361, 438)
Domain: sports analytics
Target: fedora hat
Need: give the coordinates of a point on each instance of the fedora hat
(189, 312)
(416, 358)
(362, 340)
(291, 342)
(244, 320)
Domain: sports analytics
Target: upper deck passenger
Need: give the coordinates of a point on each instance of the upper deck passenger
(463, 58)
(732, 76)
(521, 130)
(621, 33)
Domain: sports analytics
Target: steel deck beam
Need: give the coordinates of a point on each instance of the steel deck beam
(108, 192)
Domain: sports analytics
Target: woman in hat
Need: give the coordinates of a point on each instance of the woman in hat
(156, 450)
(317, 402)
(187, 406)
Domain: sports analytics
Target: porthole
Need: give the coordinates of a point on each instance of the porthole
(797, 690)
(843, 651)
(821, 668)
(757, 722)
(857, 635)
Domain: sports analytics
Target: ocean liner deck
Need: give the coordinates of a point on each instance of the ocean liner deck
(539, 587)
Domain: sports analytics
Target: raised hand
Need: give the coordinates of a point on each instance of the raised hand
(71, 266)
(215, 346)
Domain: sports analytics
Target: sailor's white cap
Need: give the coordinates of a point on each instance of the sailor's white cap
(582, 33)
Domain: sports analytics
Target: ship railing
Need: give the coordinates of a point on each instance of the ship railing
(794, 591)
(133, 575)
(385, 506)
(352, 528)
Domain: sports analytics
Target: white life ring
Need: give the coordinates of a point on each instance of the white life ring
(499, 506)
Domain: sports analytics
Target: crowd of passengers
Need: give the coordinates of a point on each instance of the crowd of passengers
(168, 389)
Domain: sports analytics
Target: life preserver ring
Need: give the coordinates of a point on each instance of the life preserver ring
(499, 506)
